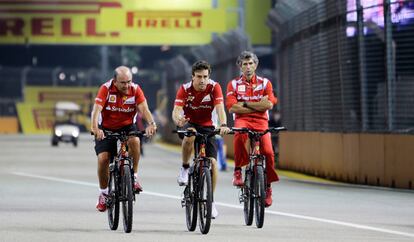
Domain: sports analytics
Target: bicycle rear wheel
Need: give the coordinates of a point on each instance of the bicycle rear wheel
(248, 199)
(205, 200)
(127, 201)
(113, 206)
(260, 196)
(190, 204)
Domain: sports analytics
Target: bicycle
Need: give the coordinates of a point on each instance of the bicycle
(121, 180)
(252, 193)
(198, 193)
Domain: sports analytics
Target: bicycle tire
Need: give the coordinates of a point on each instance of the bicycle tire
(248, 199)
(190, 204)
(260, 196)
(113, 208)
(205, 200)
(127, 194)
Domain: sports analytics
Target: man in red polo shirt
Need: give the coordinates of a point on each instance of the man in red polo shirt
(249, 97)
(193, 109)
(116, 105)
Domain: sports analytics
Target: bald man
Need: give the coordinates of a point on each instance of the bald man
(116, 105)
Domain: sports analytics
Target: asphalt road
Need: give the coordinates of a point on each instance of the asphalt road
(49, 194)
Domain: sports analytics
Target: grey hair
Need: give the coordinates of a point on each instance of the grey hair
(247, 55)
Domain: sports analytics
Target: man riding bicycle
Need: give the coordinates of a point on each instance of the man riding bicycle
(193, 109)
(249, 97)
(115, 108)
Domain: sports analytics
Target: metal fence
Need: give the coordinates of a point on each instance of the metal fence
(346, 66)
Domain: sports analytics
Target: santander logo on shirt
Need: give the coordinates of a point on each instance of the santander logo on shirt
(116, 109)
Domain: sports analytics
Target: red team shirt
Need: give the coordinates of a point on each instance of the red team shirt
(240, 90)
(118, 109)
(198, 105)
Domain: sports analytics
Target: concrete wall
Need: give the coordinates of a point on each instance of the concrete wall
(9, 125)
(373, 159)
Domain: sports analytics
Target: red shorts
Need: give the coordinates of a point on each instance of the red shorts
(241, 156)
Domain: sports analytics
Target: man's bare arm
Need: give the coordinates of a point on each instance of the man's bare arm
(178, 116)
(96, 111)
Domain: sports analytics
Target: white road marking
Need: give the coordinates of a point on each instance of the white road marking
(292, 215)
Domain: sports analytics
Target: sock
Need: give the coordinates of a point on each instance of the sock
(104, 191)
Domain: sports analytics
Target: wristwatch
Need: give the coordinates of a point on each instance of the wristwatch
(245, 104)
(152, 123)
(223, 125)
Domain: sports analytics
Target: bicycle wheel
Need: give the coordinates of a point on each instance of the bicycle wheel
(113, 206)
(248, 199)
(127, 198)
(260, 196)
(190, 204)
(205, 200)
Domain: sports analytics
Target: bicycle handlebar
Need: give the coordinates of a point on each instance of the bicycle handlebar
(122, 135)
(246, 130)
(190, 133)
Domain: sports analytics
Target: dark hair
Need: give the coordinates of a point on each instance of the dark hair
(247, 55)
(199, 66)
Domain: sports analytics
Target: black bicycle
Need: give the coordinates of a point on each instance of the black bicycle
(121, 181)
(253, 193)
(198, 193)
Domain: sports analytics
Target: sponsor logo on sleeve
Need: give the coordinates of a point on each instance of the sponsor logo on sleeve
(130, 100)
(206, 99)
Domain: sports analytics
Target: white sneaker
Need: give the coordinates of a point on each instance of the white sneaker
(182, 178)
(214, 212)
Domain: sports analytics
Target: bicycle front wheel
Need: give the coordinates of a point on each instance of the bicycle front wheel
(113, 206)
(248, 199)
(127, 198)
(260, 196)
(205, 200)
(190, 197)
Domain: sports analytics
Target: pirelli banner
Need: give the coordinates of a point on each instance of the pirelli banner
(134, 22)
(36, 113)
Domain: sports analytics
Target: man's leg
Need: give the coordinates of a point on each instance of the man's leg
(103, 169)
(187, 149)
(267, 151)
(135, 152)
(103, 177)
(214, 173)
(240, 157)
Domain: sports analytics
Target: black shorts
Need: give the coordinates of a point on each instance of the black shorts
(211, 146)
(109, 145)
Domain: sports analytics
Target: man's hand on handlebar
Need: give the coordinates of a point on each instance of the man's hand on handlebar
(150, 130)
(224, 130)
